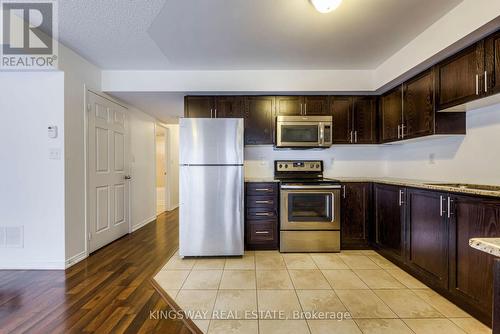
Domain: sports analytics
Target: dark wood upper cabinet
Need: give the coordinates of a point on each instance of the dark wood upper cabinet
(302, 106)
(341, 111)
(356, 210)
(199, 106)
(389, 220)
(316, 106)
(391, 115)
(259, 120)
(427, 235)
(492, 71)
(459, 78)
(418, 106)
(365, 120)
(472, 217)
(289, 105)
(230, 107)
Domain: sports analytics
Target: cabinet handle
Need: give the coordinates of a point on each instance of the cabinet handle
(350, 140)
(211, 113)
(262, 189)
(401, 198)
(263, 202)
(449, 207)
(301, 109)
(356, 136)
(486, 81)
(399, 131)
(263, 214)
(441, 206)
(477, 84)
(403, 126)
(305, 109)
(261, 232)
(343, 191)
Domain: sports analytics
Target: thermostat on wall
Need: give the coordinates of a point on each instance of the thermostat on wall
(52, 130)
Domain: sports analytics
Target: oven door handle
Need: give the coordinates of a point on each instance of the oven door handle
(333, 208)
(310, 187)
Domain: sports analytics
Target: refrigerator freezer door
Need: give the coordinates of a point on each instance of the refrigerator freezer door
(211, 141)
(211, 211)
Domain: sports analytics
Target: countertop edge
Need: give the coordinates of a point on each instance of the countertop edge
(487, 245)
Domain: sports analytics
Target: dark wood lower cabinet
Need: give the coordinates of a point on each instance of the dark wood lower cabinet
(261, 217)
(356, 215)
(471, 271)
(389, 220)
(427, 235)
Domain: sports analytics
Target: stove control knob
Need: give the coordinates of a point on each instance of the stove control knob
(280, 166)
(286, 165)
(317, 165)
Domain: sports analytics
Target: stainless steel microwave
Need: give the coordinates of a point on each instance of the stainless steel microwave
(304, 131)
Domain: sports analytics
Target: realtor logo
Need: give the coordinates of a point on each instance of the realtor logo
(29, 34)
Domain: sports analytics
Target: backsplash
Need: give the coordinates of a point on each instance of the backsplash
(340, 161)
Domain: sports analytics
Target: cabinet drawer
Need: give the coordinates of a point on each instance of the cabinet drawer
(258, 232)
(261, 213)
(257, 188)
(261, 202)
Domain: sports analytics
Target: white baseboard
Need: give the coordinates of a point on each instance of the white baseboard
(56, 265)
(75, 259)
(173, 207)
(143, 223)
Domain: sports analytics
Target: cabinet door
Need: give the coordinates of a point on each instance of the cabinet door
(472, 217)
(356, 200)
(229, 107)
(316, 106)
(259, 120)
(389, 218)
(341, 111)
(199, 106)
(365, 120)
(459, 78)
(427, 235)
(289, 105)
(418, 106)
(492, 49)
(391, 111)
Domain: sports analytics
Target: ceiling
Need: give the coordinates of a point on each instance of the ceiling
(242, 34)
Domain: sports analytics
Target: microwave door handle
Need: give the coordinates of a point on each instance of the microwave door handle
(322, 133)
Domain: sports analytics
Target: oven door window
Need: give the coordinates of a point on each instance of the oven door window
(310, 207)
(299, 133)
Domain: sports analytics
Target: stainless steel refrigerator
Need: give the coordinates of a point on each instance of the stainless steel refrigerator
(211, 187)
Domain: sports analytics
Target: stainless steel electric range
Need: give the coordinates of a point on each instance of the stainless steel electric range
(309, 208)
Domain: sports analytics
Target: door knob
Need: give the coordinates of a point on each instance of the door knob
(128, 177)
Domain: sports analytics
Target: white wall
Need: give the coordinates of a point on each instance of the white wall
(142, 156)
(32, 185)
(79, 75)
(340, 161)
(474, 158)
(173, 166)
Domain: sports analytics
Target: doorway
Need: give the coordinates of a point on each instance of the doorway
(161, 169)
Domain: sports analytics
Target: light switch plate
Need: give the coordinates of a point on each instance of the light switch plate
(54, 153)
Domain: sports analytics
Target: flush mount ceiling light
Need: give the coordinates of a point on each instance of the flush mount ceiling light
(325, 6)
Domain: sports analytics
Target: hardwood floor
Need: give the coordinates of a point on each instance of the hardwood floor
(108, 292)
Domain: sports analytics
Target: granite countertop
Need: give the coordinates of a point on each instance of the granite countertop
(487, 245)
(260, 179)
(423, 184)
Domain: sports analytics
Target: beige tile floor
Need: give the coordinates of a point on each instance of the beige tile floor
(270, 293)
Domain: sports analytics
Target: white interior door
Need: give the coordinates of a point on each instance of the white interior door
(108, 188)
